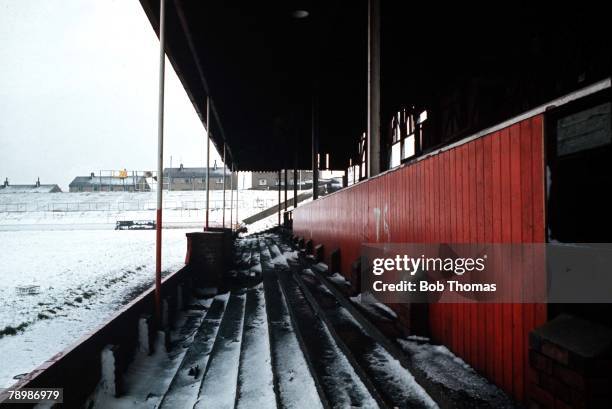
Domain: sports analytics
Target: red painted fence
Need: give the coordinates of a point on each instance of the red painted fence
(488, 190)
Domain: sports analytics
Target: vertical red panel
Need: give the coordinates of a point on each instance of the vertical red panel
(487, 190)
(517, 313)
(489, 321)
(506, 235)
(480, 336)
(497, 238)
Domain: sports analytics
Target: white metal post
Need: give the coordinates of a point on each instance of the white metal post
(207, 160)
(160, 161)
(224, 167)
(232, 197)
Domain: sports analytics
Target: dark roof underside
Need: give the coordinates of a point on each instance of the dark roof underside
(262, 67)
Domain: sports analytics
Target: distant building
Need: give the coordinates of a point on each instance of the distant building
(6, 187)
(269, 180)
(93, 183)
(183, 178)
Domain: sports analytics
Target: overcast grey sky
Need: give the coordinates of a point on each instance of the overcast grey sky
(78, 92)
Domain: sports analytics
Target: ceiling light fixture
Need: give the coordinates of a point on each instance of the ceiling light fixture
(300, 13)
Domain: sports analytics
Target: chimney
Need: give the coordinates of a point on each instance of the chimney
(181, 167)
(91, 175)
(215, 165)
(38, 182)
(6, 182)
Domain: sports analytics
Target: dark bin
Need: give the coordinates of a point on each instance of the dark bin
(206, 255)
(228, 242)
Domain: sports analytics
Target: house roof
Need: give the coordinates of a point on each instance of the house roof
(107, 180)
(29, 188)
(194, 172)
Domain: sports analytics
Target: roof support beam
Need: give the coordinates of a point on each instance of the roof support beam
(224, 167)
(315, 148)
(279, 197)
(187, 32)
(373, 87)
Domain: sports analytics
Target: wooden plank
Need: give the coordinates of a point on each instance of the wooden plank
(517, 313)
(507, 356)
(489, 309)
(497, 238)
(480, 336)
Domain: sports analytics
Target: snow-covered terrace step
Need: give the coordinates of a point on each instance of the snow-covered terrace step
(447, 379)
(183, 390)
(255, 378)
(218, 388)
(393, 382)
(242, 254)
(342, 386)
(293, 381)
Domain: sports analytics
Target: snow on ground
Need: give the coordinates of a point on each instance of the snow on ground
(56, 286)
(102, 210)
(64, 269)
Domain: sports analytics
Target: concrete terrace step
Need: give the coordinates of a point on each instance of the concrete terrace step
(394, 383)
(255, 378)
(340, 383)
(285, 337)
(183, 390)
(218, 389)
(293, 383)
(446, 378)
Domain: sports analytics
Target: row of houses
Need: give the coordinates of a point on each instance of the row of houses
(179, 179)
(176, 179)
(184, 179)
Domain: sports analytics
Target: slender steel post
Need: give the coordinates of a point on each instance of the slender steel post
(207, 160)
(232, 197)
(160, 162)
(286, 201)
(374, 167)
(295, 187)
(238, 191)
(224, 167)
(315, 149)
(279, 197)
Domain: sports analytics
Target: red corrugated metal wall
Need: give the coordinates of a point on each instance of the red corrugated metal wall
(488, 190)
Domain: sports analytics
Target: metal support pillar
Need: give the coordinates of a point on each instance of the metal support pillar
(286, 200)
(160, 163)
(207, 162)
(237, 199)
(373, 87)
(279, 197)
(232, 197)
(315, 149)
(295, 187)
(224, 167)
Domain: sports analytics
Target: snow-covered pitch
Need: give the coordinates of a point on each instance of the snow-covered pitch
(64, 269)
